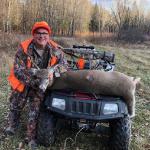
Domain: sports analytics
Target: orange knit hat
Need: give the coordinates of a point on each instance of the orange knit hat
(41, 24)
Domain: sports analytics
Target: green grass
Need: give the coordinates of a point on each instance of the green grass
(136, 62)
(132, 61)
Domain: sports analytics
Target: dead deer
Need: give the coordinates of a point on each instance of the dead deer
(99, 82)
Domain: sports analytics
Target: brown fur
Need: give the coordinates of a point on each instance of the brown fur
(99, 82)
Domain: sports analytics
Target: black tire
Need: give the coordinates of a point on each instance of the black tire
(46, 129)
(120, 134)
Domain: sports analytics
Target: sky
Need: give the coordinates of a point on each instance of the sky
(109, 3)
(105, 3)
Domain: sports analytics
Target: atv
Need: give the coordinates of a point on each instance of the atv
(97, 113)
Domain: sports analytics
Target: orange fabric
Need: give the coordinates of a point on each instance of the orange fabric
(29, 63)
(80, 63)
(14, 82)
(53, 60)
(41, 24)
(55, 45)
(25, 44)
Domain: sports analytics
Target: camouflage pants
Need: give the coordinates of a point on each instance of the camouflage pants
(17, 103)
(36, 98)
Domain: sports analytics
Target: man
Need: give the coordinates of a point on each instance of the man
(38, 52)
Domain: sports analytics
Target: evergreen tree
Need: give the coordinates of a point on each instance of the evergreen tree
(94, 22)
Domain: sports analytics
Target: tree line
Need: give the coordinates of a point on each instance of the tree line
(126, 20)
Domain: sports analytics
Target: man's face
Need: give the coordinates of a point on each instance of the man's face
(41, 37)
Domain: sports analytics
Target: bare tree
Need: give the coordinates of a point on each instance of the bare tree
(68, 17)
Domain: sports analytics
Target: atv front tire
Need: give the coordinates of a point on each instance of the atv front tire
(120, 134)
(46, 129)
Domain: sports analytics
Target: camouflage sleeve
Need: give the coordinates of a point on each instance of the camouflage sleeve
(20, 69)
(61, 60)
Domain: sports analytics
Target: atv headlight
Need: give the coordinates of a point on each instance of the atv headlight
(110, 109)
(59, 103)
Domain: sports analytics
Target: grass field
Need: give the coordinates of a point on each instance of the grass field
(133, 60)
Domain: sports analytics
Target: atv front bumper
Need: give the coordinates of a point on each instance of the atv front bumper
(102, 108)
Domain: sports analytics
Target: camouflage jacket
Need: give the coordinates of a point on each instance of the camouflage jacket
(20, 68)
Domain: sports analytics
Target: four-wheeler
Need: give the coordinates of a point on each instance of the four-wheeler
(97, 113)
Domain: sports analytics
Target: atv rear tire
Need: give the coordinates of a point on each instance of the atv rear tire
(120, 134)
(46, 129)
